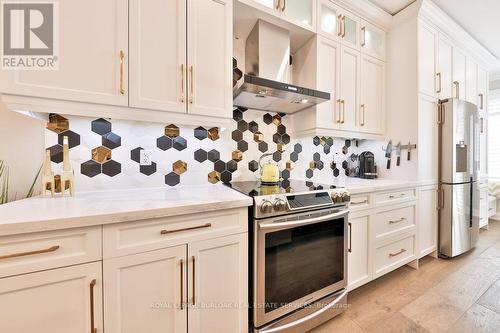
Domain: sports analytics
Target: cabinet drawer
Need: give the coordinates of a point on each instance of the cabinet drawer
(360, 201)
(26, 253)
(394, 255)
(140, 236)
(394, 196)
(394, 221)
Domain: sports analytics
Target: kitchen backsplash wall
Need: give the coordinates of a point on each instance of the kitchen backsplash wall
(106, 153)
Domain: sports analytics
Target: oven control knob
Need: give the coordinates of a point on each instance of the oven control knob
(337, 198)
(346, 197)
(279, 205)
(266, 207)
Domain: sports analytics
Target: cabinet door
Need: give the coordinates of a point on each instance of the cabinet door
(349, 87)
(471, 81)
(483, 207)
(210, 51)
(301, 12)
(427, 223)
(157, 65)
(218, 275)
(372, 40)
(143, 292)
(328, 19)
(92, 35)
(328, 113)
(483, 146)
(372, 108)
(458, 76)
(482, 89)
(444, 75)
(359, 265)
(427, 138)
(427, 41)
(350, 29)
(61, 300)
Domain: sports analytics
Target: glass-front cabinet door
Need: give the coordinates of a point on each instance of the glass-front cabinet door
(337, 23)
(372, 40)
(299, 11)
(271, 4)
(350, 26)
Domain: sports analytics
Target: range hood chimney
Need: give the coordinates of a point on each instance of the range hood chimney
(265, 86)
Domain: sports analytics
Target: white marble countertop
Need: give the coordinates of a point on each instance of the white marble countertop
(96, 208)
(357, 185)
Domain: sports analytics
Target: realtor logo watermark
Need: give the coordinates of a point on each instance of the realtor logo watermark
(30, 35)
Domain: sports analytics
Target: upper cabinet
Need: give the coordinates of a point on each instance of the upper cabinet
(482, 89)
(93, 61)
(458, 74)
(372, 40)
(372, 107)
(444, 68)
(427, 42)
(337, 23)
(471, 81)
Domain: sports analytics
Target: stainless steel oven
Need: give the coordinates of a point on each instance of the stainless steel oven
(298, 260)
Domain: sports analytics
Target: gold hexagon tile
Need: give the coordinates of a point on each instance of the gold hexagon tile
(101, 154)
(213, 177)
(289, 189)
(290, 165)
(322, 141)
(213, 133)
(258, 137)
(57, 123)
(312, 165)
(277, 119)
(237, 155)
(179, 167)
(172, 131)
(280, 147)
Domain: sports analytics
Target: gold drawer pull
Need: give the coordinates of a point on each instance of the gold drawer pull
(182, 84)
(30, 253)
(397, 253)
(182, 284)
(360, 202)
(165, 232)
(122, 57)
(194, 280)
(397, 221)
(191, 85)
(93, 329)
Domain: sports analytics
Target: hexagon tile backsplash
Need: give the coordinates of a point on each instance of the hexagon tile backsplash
(106, 154)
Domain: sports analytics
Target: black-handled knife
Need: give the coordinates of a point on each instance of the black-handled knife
(388, 153)
(398, 154)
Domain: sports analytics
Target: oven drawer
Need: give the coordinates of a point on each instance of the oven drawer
(395, 196)
(360, 201)
(135, 237)
(393, 255)
(27, 253)
(394, 221)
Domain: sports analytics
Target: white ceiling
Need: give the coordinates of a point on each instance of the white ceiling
(392, 6)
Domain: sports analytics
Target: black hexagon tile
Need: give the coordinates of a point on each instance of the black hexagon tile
(200, 133)
(213, 155)
(277, 156)
(316, 140)
(180, 143)
(90, 168)
(263, 146)
(135, 154)
(294, 157)
(285, 174)
(253, 126)
(345, 165)
(253, 165)
(297, 148)
(101, 126)
(237, 135)
(242, 146)
(232, 166)
(73, 138)
(219, 166)
(316, 157)
(347, 143)
(336, 172)
(242, 125)
(111, 140)
(200, 155)
(172, 179)
(56, 153)
(309, 173)
(281, 129)
(237, 115)
(326, 149)
(277, 138)
(267, 118)
(148, 170)
(345, 150)
(285, 138)
(329, 141)
(164, 142)
(111, 168)
(226, 177)
(319, 165)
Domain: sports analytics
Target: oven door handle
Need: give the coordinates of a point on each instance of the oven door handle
(292, 224)
(306, 318)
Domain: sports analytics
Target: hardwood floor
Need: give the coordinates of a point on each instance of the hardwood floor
(456, 295)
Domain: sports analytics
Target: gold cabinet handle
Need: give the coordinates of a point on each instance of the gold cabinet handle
(30, 253)
(339, 102)
(278, 5)
(392, 196)
(343, 26)
(363, 31)
(438, 90)
(397, 221)
(182, 84)
(166, 232)
(481, 96)
(182, 283)
(191, 84)
(457, 89)
(339, 25)
(194, 279)
(284, 6)
(93, 329)
(122, 60)
(359, 202)
(363, 115)
(397, 253)
(482, 125)
(343, 111)
(349, 226)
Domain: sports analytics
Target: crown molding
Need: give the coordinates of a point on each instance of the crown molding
(368, 11)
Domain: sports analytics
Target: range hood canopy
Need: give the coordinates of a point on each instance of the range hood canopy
(265, 86)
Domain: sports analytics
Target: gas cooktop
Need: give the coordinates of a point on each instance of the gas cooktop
(255, 188)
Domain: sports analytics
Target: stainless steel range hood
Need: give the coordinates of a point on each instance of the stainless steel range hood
(265, 86)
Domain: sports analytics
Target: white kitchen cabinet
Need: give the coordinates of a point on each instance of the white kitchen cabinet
(329, 19)
(65, 300)
(471, 81)
(483, 206)
(146, 292)
(218, 276)
(445, 68)
(350, 75)
(350, 29)
(427, 220)
(299, 11)
(93, 61)
(483, 146)
(459, 74)
(359, 261)
(209, 57)
(428, 130)
(158, 65)
(372, 107)
(482, 89)
(372, 40)
(427, 43)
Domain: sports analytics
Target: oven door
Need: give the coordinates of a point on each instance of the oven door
(298, 259)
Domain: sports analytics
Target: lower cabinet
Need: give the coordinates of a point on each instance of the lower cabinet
(64, 300)
(427, 225)
(201, 285)
(359, 263)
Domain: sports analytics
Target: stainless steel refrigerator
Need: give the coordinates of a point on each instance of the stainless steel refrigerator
(458, 175)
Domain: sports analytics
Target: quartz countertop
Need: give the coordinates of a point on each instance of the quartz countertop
(104, 207)
(358, 185)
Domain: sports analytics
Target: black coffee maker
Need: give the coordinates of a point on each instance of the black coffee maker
(367, 165)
